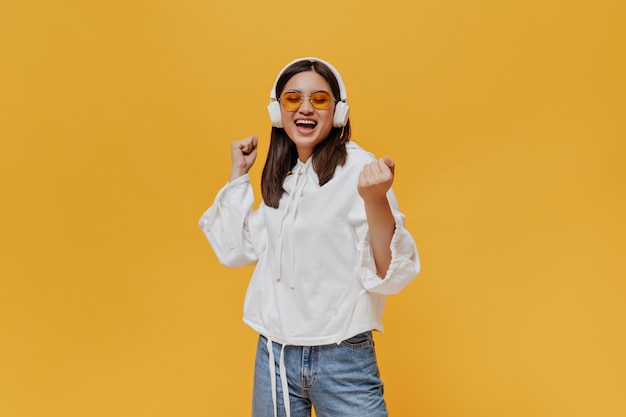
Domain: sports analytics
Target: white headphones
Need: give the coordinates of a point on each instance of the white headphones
(342, 111)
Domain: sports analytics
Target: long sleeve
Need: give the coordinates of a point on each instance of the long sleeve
(229, 224)
(405, 262)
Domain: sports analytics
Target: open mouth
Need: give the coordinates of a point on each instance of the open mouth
(305, 125)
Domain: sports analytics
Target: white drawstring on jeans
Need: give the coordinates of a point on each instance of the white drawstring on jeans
(283, 377)
(271, 363)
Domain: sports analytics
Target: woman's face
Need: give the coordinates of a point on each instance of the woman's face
(307, 126)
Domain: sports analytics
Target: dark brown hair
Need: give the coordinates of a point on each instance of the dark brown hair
(282, 154)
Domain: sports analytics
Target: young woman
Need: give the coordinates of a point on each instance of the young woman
(329, 244)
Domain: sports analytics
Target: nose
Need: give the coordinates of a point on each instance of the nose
(305, 106)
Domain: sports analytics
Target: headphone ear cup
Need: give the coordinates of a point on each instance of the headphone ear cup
(342, 111)
(274, 110)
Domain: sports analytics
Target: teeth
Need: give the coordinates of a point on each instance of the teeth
(305, 122)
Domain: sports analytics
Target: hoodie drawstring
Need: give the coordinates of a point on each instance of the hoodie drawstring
(286, 225)
(282, 370)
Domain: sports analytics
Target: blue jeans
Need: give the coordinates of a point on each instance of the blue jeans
(337, 380)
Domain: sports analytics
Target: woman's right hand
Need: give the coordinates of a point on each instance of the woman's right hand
(243, 154)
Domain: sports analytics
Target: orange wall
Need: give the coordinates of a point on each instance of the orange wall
(506, 121)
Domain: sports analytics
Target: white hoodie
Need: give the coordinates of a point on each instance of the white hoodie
(315, 279)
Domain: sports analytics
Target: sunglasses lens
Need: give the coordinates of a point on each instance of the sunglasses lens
(291, 100)
(320, 100)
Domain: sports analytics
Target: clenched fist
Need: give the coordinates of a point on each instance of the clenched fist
(243, 154)
(376, 179)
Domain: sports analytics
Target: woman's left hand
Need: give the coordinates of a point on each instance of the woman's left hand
(376, 179)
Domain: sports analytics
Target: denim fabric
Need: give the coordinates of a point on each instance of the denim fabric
(337, 380)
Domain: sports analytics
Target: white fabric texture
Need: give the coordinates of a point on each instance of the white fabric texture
(315, 279)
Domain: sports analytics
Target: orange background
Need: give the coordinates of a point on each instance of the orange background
(505, 119)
